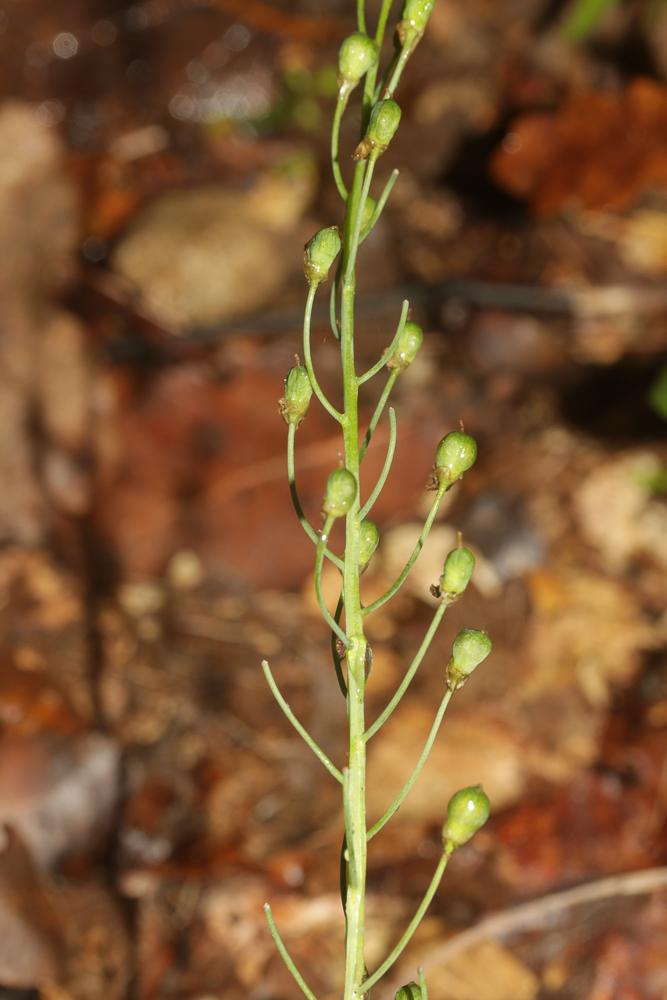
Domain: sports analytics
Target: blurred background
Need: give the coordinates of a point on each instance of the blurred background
(161, 165)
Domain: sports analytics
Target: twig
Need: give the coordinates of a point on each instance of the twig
(537, 911)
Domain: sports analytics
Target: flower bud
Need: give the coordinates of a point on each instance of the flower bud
(385, 119)
(407, 346)
(298, 392)
(320, 253)
(417, 12)
(456, 573)
(470, 648)
(409, 992)
(467, 812)
(356, 56)
(455, 454)
(369, 536)
(340, 493)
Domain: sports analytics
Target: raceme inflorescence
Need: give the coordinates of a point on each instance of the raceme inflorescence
(332, 254)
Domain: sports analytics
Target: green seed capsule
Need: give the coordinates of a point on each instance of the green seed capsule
(356, 56)
(384, 121)
(409, 992)
(340, 493)
(298, 392)
(456, 573)
(455, 454)
(407, 346)
(467, 812)
(417, 13)
(470, 648)
(369, 536)
(320, 253)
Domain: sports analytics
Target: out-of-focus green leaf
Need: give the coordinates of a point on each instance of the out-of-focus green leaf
(584, 18)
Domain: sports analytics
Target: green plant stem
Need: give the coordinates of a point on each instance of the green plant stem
(361, 15)
(407, 787)
(285, 955)
(301, 730)
(341, 104)
(400, 580)
(412, 926)
(401, 63)
(377, 413)
(307, 359)
(371, 76)
(422, 983)
(381, 202)
(409, 673)
(319, 560)
(296, 502)
(354, 790)
(386, 354)
(333, 315)
(389, 458)
(340, 677)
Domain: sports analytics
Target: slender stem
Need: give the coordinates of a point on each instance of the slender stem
(389, 458)
(341, 104)
(354, 789)
(381, 403)
(355, 224)
(333, 316)
(296, 503)
(401, 62)
(319, 560)
(301, 730)
(342, 869)
(407, 787)
(382, 21)
(389, 350)
(381, 202)
(338, 667)
(285, 955)
(307, 360)
(402, 577)
(412, 926)
(409, 674)
(361, 15)
(422, 983)
(395, 69)
(369, 84)
(385, 76)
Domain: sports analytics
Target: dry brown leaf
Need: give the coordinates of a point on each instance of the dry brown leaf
(486, 972)
(599, 150)
(618, 512)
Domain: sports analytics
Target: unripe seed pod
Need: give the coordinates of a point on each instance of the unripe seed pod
(298, 392)
(407, 346)
(417, 12)
(457, 572)
(470, 648)
(455, 454)
(467, 812)
(384, 121)
(369, 536)
(340, 493)
(356, 56)
(319, 254)
(409, 992)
